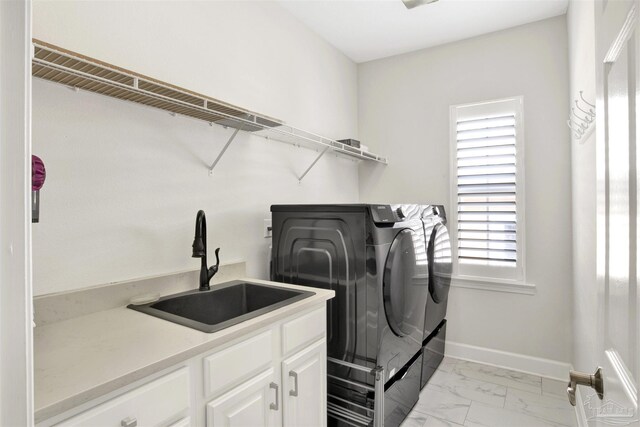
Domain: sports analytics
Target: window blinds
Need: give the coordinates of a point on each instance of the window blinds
(486, 188)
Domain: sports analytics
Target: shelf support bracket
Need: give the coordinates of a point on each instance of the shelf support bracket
(229, 141)
(312, 164)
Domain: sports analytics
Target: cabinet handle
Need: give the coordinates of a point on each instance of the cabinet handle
(294, 392)
(274, 406)
(129, 422)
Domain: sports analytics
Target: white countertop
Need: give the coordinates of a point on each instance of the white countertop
(80, 359)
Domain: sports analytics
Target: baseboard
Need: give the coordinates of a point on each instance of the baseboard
(518, 362)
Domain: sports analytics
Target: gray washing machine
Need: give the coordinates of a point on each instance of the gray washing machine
(374, 258)
(439, 260)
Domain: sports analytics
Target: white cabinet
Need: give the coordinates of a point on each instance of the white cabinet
(303, 330)
(158, 403)
(237, 363)
(298, 399)
(274, 376)
(299, 387)
(304, 396)
(254, 403)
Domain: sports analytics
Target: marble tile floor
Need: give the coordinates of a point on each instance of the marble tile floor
(462, 393)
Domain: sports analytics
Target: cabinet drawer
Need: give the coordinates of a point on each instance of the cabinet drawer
(159, 402)
(303, 330)
(237, 363)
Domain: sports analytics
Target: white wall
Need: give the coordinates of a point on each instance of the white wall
(124, 182)
(404, 111)
(581, 29)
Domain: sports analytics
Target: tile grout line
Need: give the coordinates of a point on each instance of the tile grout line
(537, 416)
(507, 390)
(493, 383)
(504, 404)
(467, 414)
(456, 363)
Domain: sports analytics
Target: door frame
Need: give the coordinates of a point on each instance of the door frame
(16, 330)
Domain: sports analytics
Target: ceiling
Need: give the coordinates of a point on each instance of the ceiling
(371, 29)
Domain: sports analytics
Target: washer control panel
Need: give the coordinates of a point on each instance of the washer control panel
(383, 214)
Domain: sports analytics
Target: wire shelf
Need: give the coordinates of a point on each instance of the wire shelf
(72, 69)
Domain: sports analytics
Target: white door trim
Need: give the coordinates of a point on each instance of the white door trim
(16, 331)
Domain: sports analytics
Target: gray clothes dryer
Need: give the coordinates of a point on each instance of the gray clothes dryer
(374, 258)
(439, 260)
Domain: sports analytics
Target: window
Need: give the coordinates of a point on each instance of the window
(487, 189)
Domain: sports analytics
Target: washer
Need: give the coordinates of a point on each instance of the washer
(440, 267)
(374, 257)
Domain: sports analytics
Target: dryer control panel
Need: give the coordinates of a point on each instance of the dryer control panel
(383, 214)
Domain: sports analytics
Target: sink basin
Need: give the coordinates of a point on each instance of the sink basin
(224, 305)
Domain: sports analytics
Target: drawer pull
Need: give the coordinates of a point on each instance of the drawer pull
(274, 406)
(294, 392)
(129, 422)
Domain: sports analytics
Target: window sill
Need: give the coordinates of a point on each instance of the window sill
(496, 285)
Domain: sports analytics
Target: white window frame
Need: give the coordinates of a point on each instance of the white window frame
(510, 279)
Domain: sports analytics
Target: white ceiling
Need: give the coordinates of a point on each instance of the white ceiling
(370, 29)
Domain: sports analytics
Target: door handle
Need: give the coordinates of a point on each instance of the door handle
(294, 392)
(594, 381)
(275, 406)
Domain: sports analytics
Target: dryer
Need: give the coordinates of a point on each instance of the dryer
(374, 257)
(440, 267)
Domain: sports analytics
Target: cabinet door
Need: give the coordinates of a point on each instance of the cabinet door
(255, 403)
(304, 376)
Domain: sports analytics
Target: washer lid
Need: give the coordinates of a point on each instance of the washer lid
(399, 273)
(439, 254)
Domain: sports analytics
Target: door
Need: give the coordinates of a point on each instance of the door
(398, 283)
(617, 70)
(255, 403)
(405, 281)
(440, 267)
(304, 395)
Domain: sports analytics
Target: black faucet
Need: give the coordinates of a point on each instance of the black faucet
(200, 251)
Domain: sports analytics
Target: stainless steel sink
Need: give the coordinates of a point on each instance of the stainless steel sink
(223, 306)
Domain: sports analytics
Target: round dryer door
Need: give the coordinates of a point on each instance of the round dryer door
(399, 271)
(439, 255)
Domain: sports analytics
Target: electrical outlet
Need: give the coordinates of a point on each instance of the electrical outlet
(267, 228)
